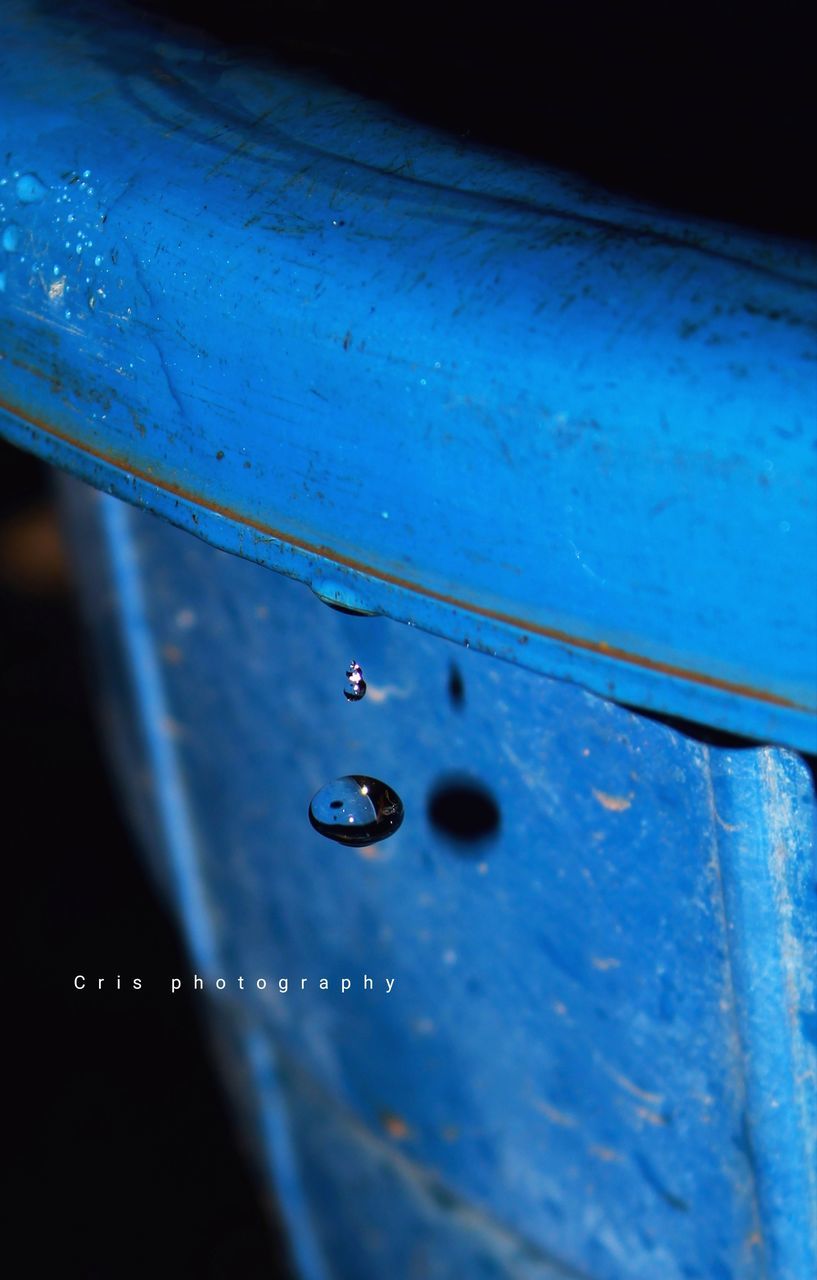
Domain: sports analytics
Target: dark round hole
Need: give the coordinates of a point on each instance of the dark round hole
(336, 804)
(464, 810)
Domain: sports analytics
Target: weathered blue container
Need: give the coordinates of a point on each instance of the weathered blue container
(571, 445)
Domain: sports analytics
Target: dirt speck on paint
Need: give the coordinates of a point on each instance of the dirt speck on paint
(616, 804)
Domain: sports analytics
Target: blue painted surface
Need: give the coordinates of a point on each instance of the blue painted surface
(598, 1057)
(462, 391)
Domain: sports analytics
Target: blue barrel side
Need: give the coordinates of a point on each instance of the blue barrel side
(598, 1057)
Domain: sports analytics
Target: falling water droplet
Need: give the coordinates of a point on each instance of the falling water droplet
(29, 188)
(11, 237)
(356, 810)
(355, 681)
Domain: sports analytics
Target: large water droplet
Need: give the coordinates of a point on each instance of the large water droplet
(356, 810)
(355, 684)
(11, 237)
(29, 188)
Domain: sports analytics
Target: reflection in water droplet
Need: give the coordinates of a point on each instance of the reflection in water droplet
(357, 685)
(356, 810)
(11, 237)
(29, 188)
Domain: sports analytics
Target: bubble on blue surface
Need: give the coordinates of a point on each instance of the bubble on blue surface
(356, 810)
(355, 684)
(29, 188)
(11, 237)
(98, 260)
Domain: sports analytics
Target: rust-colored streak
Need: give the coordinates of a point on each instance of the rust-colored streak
(600, 647)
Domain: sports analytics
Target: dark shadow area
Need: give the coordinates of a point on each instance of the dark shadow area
(456, 687)
(124, 1158)
(704, 108)
(712, 737)
(464, 810)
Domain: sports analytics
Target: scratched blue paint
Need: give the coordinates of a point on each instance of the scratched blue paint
(594, 1061)
(463, 390)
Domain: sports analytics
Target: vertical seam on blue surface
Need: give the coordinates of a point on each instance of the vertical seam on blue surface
(189, 890)
(735, 1020)
(755, 921)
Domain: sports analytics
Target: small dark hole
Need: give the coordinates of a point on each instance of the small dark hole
(456, 686)
(464, 810)
(336, 804)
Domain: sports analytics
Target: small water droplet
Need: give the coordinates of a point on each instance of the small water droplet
(11, 237)
(86, 173)
(356, 684)
(29, 188)
(356, 810)
(70, 218)
(98, 260)
(91, 301)
(2, 282)
(56, 271)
